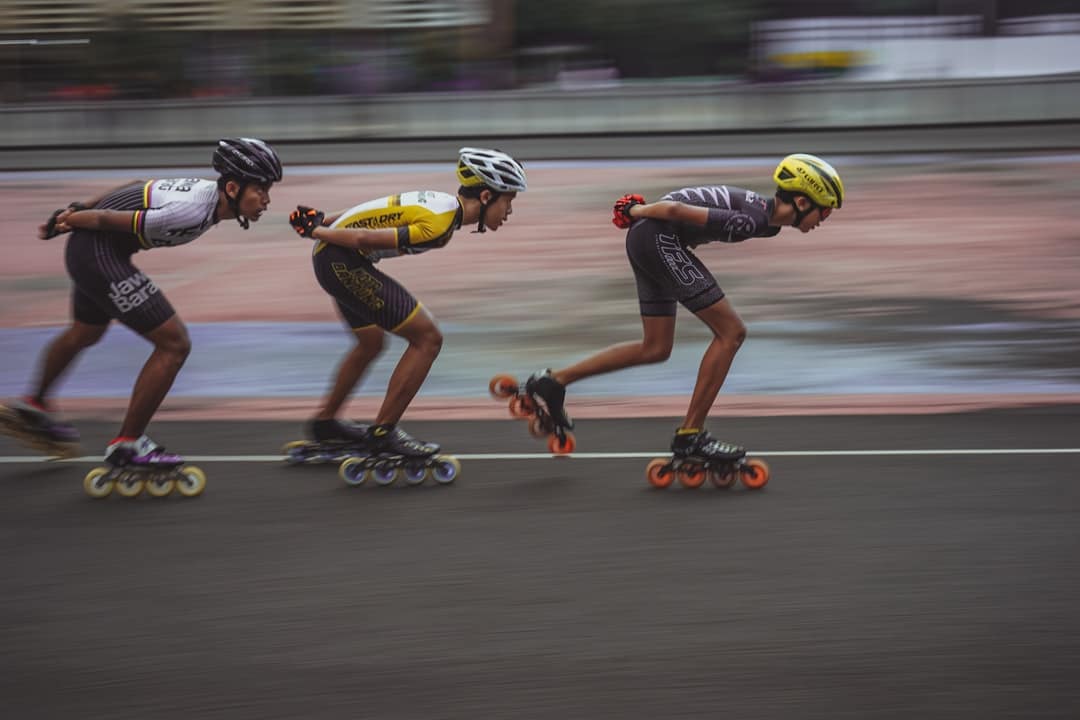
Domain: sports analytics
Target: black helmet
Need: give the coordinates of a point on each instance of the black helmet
(248, 160)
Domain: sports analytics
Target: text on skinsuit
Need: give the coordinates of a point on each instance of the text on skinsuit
(678, 262)
(359, 283)
(375, 221)
(131, 292)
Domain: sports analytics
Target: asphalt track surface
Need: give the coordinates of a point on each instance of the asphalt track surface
(883, 573)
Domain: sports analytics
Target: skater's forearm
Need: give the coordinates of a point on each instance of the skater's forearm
(671, 211)
(358, 239)
(118, 220)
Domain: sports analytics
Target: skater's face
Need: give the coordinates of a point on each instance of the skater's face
(499, 210)
(253, 202)
(814, 218)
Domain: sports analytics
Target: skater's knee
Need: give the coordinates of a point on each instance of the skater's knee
(172, 340)
(82, 336)
(655, 352)
(430, 341)
(733, 335)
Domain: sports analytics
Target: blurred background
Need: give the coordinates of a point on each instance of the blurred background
(955, 124)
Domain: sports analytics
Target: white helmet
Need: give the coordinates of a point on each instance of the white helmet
(490, 168)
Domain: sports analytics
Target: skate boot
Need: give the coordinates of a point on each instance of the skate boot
(697, 455)
(542, 401)
(391, 453)
(329, 441)
(134, 465)
(34, 426)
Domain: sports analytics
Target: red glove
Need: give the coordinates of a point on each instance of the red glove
(621, 212)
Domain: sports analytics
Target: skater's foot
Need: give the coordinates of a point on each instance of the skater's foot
(552, 394)
(141, 452)
(336, 431)
(698, 443)
(392, 439)
(37, 418)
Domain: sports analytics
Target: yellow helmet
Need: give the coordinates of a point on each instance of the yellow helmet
(811, 176)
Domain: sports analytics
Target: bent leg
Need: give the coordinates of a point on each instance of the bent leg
(369, 343)
(425, 342)
(171, 348)
(61, 353)
(729, 332)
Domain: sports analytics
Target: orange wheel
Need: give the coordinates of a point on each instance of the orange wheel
(562, 448)
(755, 474)
(692, 477)
(521, 406)
(536, 428)
(503, 386)
(723, 480)
(657, 475)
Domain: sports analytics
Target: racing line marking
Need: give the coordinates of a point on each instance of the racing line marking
(17, 459)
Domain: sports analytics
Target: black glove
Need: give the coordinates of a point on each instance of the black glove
(50, 225)
(304, 220)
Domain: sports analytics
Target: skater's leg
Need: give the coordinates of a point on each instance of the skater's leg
(425, 342)
(658, 337)
(728, 335)
(171, 348)
(59, 355)
(369, 343)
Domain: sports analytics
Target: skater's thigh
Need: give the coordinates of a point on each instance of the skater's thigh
(364, 294)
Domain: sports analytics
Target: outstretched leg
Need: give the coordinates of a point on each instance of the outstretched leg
(60, 354)
(171, 348)
(658, 337)
(369, 343)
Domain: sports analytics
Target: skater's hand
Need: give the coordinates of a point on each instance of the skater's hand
(621, 212)
(57, 222)
(304, 220)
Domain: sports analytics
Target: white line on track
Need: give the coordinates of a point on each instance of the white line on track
(17, 459)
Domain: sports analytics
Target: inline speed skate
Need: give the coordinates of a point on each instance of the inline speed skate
(132, 466)
(36, 428)
(391, 453)
(698, 456)
(330, 441)
(540, 400)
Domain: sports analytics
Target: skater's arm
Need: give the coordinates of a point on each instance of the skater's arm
(58, 224)
(72, 218)
(357, 238)
(671, 211)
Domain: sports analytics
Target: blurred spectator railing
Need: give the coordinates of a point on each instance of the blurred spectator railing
(628, 109)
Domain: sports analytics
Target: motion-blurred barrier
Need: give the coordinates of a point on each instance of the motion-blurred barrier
(662, 108)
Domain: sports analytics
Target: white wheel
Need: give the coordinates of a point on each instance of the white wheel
(97, 483)
(191, 482)
(160, 486)
(446, 469)
(353, 472)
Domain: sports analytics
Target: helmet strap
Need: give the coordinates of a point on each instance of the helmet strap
(234, 205)
(480, 228)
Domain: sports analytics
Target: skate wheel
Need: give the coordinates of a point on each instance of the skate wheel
(97, 483)
(536, 427)
(503, 386)
(562, 447)
(128, 485)
(159, 486)
(723, 479)
(691, 477)
(384, 473)
(445, 469)
(353, 472)
(521, 406)
(755, 474)
(191, 481)
(414, 473)
(659, 473)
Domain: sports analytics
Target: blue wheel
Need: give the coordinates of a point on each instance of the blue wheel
(353, 472)
(384, 473)
(415, 472)
(445, 469)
